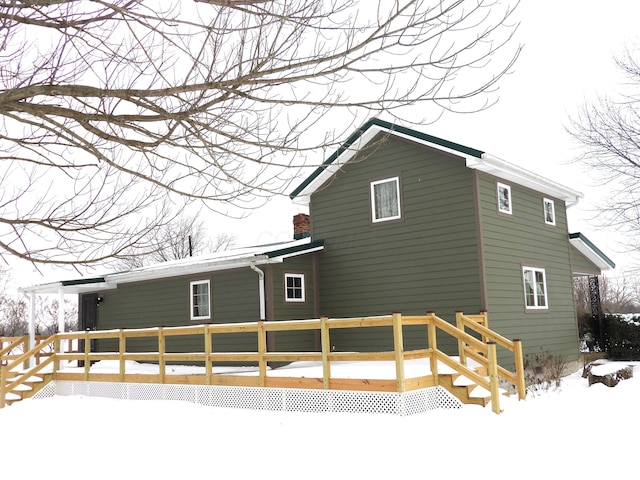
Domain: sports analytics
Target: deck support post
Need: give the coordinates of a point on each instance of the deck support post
(326, 349)
(162, 362)
(494, 380)
(208, 368)
(398, 348)
(519, 361)
(262, 349)
(461, 345)
(122, 346)
(433, 346)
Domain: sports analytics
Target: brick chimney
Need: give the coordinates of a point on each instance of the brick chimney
(301, 226)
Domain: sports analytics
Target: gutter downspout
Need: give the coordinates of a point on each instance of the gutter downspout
(263, 302)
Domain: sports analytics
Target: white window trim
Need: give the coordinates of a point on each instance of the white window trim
(302, 286)
(535, 296)
(545, 202)
(191, 285)
(508, 188)
(373, 200)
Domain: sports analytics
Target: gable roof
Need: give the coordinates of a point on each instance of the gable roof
(590, 251)
(475, 159)
(218, 261)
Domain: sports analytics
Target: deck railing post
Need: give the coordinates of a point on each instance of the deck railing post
(87, 350)
(208, 367)
(162, 361)
(262, 349)
(122, 348)
(56, 349)
(3, 384)
(398, 348)
(519, 361)
(461, 344)
(433, 346)
(325, 343)
(494, 380)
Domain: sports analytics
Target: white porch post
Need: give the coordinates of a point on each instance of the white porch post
(32, 326)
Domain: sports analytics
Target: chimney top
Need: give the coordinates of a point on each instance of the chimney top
(301, 226)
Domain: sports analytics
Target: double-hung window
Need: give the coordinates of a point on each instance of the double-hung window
(504, 198)
(385, 200)
(549, 212)
(200, 300)
(535, 288)
(294, 287)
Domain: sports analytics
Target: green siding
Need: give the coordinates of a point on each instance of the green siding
(426, 261)
(165, 302)
(303, 340)
(523, 239)
(581, 265)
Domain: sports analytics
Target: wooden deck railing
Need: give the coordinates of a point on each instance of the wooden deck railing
(484, 352)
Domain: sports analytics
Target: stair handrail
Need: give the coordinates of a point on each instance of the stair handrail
(14, 344)
(515, 346)
(5, 370)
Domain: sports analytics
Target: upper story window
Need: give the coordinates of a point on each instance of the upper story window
(385, 199)
(294, 287)
(504, 198)
(549, 211)
(535, 288)
(201, 300)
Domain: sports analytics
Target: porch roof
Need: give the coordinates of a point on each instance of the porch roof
(592, 253)
(225, 260)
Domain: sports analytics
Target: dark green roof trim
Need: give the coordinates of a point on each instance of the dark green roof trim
(588, 242)
(82, 281)
(389, 126)
(296, 249)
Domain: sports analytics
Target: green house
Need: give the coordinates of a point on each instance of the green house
(399, 221)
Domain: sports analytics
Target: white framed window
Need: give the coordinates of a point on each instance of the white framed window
(549, 211)
(504, 198)
(535, 288)
(385, 200)
(294, 287)
(200, 293)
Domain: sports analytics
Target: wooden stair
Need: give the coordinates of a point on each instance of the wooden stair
(27, 388)
(465, 389)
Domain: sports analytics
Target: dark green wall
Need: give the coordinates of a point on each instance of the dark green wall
(234, 298)
(523, 239)
(426, 261)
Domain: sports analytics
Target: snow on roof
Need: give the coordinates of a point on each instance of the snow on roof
(224, 260)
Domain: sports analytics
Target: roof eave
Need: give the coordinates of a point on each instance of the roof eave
(509, 172)
(589, 250)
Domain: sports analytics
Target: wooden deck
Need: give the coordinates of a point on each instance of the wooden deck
(476, 363)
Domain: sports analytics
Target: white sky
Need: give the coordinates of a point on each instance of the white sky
(567, 58)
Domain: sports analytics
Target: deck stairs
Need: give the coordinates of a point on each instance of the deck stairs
(464, 388)
(26, 386)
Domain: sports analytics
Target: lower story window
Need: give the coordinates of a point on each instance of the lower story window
(294, 287)
(201, 300)
(535, 288)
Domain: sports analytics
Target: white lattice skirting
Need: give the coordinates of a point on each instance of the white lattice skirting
(274, 399)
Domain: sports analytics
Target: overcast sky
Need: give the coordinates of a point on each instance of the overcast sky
(568, 53)
(567, 59)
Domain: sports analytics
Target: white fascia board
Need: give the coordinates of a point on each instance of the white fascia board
(509, 172)
(304, 197)
(187, 269)
(592, 255)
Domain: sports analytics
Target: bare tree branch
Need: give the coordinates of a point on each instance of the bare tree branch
(114, 111)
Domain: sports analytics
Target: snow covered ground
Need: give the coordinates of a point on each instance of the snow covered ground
(574, 432)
